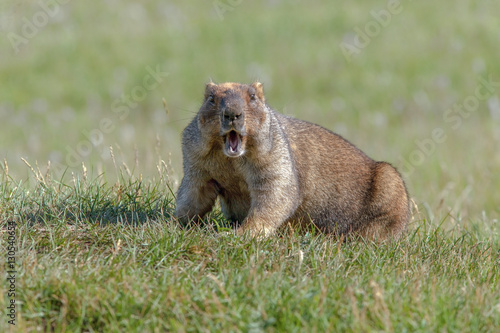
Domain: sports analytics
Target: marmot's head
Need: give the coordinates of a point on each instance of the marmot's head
(231, 112)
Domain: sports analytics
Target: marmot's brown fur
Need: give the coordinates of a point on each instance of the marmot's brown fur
(269, 169)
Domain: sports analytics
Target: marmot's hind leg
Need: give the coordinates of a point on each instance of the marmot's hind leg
(388, 211)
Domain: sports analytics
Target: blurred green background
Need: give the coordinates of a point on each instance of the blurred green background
(76, 78)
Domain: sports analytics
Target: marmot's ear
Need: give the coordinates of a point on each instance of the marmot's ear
(259, 91)
(209, 88)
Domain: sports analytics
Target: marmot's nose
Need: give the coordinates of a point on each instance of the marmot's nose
(231, 115)
(231, 110)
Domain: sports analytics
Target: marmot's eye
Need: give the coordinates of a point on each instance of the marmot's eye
(252, 97)
(210, 98)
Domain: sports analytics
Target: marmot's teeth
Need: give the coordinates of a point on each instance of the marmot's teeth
(233, 140)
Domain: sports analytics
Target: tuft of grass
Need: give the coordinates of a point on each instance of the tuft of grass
(129, 200)
(93, 256)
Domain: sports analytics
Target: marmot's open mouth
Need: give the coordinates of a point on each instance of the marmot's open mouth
(233, 144)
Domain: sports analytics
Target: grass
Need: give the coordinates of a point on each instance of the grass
(84, 178)
(99, 257)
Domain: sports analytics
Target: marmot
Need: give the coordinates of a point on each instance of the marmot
(269, 169)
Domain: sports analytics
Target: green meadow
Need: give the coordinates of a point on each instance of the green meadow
(93, 100)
